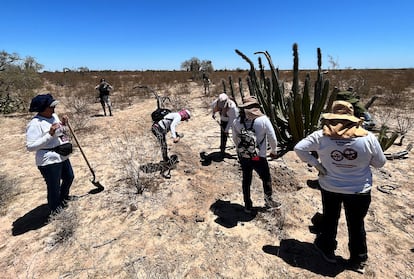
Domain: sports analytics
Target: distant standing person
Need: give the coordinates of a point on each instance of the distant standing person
(252, 118)
(346, 152)
(206, 83)
(47, 135)
(104, 89)
(169, 124)
(228, 112)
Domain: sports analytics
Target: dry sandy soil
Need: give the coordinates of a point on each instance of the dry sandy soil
(189, 226)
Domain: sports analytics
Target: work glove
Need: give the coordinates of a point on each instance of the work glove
(321, 169)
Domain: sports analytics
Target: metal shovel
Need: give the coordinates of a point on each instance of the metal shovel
(99, 187)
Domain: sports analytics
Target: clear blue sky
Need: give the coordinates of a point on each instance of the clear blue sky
(160, 35)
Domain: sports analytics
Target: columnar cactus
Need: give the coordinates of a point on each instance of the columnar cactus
(293, 115)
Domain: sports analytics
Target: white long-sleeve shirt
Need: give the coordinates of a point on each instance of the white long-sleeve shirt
(227, 114)
(347, 161)
(38, 139)
(170, 122)
(264, 133)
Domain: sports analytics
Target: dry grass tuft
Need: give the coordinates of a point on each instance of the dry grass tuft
(7, 191)
(65, 223)
(130, 153)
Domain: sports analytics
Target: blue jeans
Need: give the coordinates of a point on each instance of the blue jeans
(58, 178)
(356, 208)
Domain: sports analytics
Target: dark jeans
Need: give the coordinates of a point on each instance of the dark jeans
(261, 167)
(356, 208)
(160, 134)
(223, 136)
(58, 178)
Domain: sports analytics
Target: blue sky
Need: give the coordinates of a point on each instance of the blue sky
(160, 35)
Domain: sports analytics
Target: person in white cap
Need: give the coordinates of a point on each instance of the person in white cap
(228, 112)
(169, 124)
(48, 136)
(346, 152)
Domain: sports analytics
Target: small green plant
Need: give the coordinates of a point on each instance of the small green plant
(386, 137)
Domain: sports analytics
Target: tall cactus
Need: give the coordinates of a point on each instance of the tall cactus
(296, 114)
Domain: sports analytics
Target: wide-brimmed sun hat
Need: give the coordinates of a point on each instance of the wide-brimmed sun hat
(41, 102)
(250, 101)
(342, 110)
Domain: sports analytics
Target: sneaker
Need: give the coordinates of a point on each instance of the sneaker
(357, 266)
(328, 256)
(270, 203)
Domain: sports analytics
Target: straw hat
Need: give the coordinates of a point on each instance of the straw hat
(342, 110)
(249, 101)
(251, 107)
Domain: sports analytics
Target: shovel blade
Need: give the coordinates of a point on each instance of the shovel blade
(99, 188)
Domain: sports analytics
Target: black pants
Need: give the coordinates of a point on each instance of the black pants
(356, 208)
(261, 167)
(160, 134)
(223, 136)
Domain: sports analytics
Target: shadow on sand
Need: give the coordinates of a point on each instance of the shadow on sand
(206, 159)
(304, 255)
(32, 220)
(229, 214)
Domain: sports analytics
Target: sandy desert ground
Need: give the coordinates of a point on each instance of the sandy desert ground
(189, 226)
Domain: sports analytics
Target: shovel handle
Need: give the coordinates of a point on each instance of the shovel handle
(80, 148)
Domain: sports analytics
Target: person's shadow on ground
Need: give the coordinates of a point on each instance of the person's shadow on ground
(32, 220)
(304, 255)
(229, 214)
(206, 159)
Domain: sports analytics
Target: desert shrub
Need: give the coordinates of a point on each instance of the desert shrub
(64, 225)
(132, 151)
(404, 124)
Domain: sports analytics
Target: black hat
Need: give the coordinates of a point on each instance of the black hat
(41, 102)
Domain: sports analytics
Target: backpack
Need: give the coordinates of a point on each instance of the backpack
(103, 88)
(248, 146)
(159, 114)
